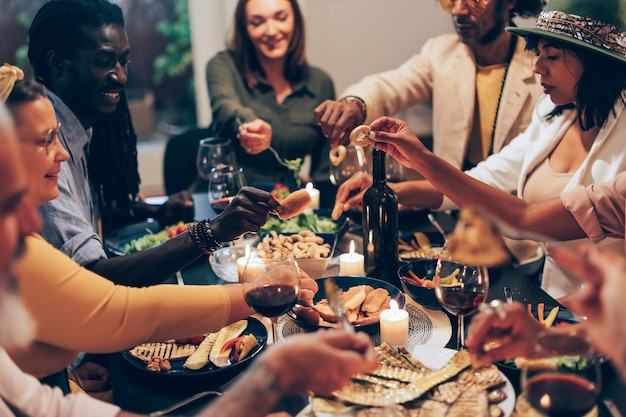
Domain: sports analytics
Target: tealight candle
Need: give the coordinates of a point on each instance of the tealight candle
(315, 196)
(394, 325)
(351, 263)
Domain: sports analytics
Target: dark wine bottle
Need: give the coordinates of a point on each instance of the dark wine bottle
(380, 225)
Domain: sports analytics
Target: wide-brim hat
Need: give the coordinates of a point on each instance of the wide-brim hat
(595, 25)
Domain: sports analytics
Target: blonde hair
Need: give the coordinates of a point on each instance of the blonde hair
(9, 74)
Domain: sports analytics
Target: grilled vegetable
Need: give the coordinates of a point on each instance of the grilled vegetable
(219, 358)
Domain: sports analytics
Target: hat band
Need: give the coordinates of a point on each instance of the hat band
(585, 29)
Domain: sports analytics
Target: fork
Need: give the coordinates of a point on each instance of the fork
(272, 150)
(333, 295)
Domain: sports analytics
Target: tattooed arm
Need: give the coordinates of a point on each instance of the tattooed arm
(292, 367)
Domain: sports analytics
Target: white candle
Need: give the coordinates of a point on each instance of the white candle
(394, 325)
(315, 196)
(351, 263)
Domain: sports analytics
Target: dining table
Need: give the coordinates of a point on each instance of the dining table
(140, 391)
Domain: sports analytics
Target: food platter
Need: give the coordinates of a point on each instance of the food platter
(563, 317)
(254, 327)
(344, 283)
(427, 328)
(117, 240)
(434, 358)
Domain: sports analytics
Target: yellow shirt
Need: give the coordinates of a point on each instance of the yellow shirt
(76, 310)
(488, 86)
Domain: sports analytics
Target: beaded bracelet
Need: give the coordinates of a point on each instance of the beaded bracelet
(203, 236)
(359, 103)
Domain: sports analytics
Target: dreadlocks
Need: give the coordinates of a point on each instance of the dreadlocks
(60, 26)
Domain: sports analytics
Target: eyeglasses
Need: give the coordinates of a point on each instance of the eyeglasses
(475, 7)
(48, 142)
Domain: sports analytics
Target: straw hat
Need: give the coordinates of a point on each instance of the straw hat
(595, 25)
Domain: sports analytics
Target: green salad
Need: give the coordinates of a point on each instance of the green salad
(303, 221)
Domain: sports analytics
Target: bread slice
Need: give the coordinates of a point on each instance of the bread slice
(147, 351)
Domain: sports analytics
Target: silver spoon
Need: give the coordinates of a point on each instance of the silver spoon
(435, 223)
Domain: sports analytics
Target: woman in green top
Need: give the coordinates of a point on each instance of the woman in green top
(263, 79)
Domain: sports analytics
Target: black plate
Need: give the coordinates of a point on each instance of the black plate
(344, 283)
(563, 316)
(115, 242)
(255, 327)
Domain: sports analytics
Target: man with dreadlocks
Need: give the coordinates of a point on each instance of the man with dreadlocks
(79, 50)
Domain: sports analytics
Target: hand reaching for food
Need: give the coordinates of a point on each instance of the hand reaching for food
(255, 136)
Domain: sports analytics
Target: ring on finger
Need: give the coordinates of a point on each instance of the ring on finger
(494, 307)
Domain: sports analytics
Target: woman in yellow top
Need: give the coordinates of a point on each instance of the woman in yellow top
(76, 310)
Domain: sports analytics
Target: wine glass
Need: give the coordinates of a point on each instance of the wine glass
(224, 184)
(271, 285)
(214, 153)
(353, 162)
(569, 388)
(460, 289)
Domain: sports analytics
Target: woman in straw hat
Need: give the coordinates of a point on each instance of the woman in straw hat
(575, 137)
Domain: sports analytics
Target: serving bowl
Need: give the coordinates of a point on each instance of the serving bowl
(224, 262)
(315, 267)
(344, 283)
(424, 269)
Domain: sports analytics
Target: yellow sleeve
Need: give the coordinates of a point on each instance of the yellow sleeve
(78, 310)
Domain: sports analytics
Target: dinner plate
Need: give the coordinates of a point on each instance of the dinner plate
(254, 327)
(434, 358)
(117, 240)
(344, 283)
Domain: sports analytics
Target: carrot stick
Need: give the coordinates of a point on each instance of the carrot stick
(529, 308)
(540, 311)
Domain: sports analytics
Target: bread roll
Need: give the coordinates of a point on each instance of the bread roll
(294, 204)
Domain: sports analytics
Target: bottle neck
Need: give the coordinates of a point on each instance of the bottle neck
(378, 167)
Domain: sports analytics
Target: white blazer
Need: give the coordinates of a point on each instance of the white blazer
(444, 74)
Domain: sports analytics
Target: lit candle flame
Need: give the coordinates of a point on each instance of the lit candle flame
(351, 246)
(309, 187)
(393, 305)
(545, 401)
(247, 250)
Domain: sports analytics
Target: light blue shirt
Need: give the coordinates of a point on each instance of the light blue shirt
(70, 222)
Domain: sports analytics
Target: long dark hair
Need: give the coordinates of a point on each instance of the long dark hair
(240, 45)
(527, 8)
(601, 85)
(60, 25)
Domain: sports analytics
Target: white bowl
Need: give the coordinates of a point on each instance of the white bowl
(224, 262)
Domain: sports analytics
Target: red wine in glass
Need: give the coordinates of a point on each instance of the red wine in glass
(272, 300)
(561, 395)
(220, 204)
(458, 300)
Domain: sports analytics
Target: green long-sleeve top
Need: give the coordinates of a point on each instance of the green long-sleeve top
(295, 133)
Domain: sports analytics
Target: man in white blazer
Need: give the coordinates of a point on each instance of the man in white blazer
(473, 116)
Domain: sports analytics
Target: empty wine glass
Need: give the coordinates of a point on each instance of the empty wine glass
(224, 184)
(353, 162)
(460, 289)
(271, 285)
(570, 386)
(214, 153)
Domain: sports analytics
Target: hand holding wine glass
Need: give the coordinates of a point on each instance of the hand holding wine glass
(271, 285)
(460, 289)
(568, 388)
